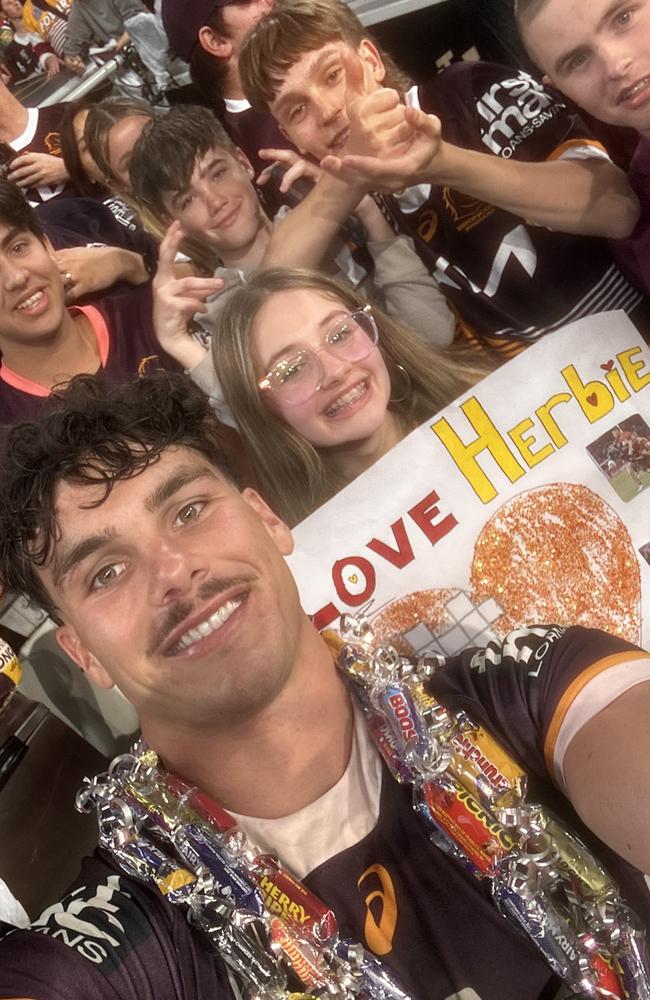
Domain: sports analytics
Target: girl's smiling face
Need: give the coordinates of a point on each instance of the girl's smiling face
(351, 402)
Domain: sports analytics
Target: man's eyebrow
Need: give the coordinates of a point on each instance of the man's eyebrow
(65, 562)
(214, 160)
(565, 58)
(610, 10)
(11, 236)
(182, 477)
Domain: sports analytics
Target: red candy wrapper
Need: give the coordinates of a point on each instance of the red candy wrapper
(298, 908)
(466, 822)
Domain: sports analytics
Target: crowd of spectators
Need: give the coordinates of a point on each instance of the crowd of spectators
(330, 251)
(447, 225)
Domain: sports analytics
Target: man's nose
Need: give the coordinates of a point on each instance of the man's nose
(617, 61)
(13, 277)
(175, 572)
(330, 108)
(212, 198)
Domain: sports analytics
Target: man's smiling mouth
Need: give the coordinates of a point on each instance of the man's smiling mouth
(205, 628)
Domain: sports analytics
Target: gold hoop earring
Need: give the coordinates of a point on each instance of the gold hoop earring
(404, 388)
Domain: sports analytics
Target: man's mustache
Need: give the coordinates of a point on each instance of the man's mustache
(177, 613)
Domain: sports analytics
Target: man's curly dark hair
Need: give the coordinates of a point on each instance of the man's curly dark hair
(91, 433)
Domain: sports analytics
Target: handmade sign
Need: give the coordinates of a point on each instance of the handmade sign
(525, 501)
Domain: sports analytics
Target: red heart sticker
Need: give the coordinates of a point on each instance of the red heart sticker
(607, 367)
(593, 399)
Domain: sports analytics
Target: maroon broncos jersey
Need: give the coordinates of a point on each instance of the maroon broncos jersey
(127, 344)
(510, 281)
(432, 924)
(42, 135)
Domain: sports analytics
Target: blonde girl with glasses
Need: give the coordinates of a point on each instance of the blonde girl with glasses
(320, 385)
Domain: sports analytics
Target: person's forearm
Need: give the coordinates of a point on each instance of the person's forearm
(305, 234)
(411, 294)
(373, 220)
(590, 197)
(77, 36)
(133, 268)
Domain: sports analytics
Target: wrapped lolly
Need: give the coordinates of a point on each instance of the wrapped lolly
(284, 895)
(370, 978)
(483, 767)
(483, 841)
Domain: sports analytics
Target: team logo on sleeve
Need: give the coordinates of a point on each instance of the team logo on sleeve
(88, 921)
(381, 909)
(53, 143)
(527, 646)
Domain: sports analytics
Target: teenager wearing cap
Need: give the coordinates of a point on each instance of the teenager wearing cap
(208, 35)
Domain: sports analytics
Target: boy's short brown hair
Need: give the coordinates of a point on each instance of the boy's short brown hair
(165, 155)
(293, 28)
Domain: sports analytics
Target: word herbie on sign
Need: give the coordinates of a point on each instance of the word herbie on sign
(532, 441)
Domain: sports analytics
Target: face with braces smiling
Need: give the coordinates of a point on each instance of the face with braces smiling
(174, 587)
(351, 403)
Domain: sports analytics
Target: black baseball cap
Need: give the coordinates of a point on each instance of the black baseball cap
(182, 20)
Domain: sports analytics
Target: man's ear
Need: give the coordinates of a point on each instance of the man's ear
(71, 644)
(546, 80)
(244, 162)
(372, 58)
(214, 44)
(48, 246)
(275, 526)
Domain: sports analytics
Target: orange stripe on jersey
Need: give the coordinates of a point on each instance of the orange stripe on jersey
(506, 348)
(572, 693)
(573, 143)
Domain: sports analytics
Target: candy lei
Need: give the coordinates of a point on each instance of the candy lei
(279, 940)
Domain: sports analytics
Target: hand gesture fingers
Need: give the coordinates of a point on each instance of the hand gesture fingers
(167, 252)
(359, 77)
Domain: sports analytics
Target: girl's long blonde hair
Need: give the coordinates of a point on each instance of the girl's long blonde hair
(294, 476)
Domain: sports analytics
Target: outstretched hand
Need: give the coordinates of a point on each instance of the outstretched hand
(177, 300)
(391, 146)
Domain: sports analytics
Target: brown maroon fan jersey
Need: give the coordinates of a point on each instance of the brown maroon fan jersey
(510, 281)
(432, 924)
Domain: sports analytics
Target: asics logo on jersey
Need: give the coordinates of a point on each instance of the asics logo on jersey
(381, 910)
(511, 110)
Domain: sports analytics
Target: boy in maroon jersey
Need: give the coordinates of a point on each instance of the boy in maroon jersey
(33, 134)
(117, 515)
(42, 342)
(597, 52)
(493, 177)
(208, 36)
